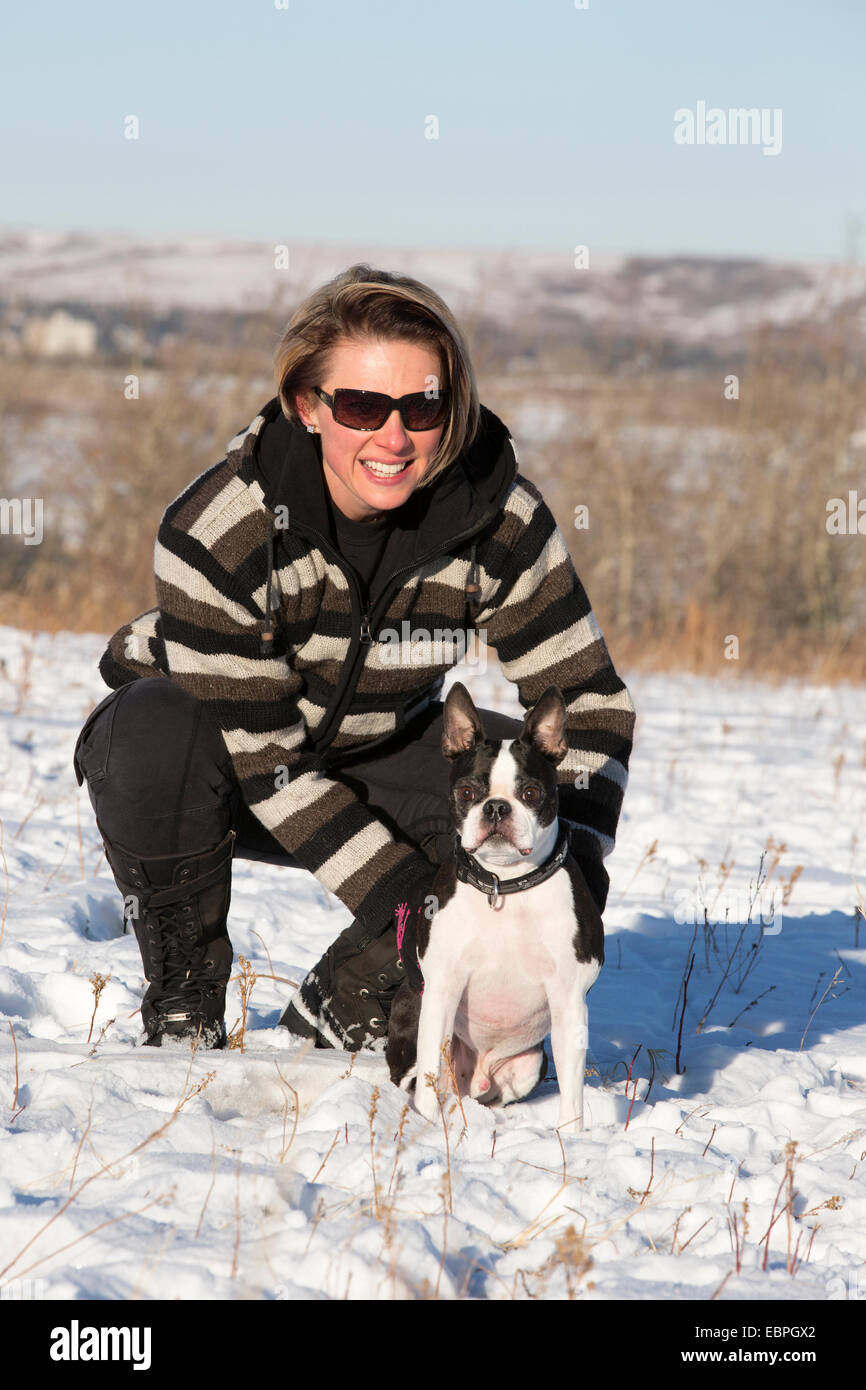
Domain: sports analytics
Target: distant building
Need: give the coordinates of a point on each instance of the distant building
(60, 335)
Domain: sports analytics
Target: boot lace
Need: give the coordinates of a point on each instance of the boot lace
(186, 978)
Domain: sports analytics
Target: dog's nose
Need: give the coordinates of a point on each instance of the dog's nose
(497, 810)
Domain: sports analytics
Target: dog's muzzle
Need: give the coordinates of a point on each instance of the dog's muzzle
(494, 888)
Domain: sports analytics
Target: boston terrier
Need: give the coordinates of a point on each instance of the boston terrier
(512, 940)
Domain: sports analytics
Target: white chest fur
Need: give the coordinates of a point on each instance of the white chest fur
(497, 981)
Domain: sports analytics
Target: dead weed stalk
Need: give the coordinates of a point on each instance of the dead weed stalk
(97, 984)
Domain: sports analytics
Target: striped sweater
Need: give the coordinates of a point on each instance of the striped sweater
(259, 617)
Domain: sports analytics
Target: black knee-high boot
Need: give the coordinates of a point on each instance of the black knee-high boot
(345, 1000)
(178, 906)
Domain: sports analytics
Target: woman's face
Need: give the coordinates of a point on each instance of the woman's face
(370, 365)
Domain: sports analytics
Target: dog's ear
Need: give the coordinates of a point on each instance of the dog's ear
(544, 725)
(461, 727)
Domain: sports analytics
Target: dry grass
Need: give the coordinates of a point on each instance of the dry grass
(571, 1255)
(563, 1270)
(829, 987)
(297, 1111)
(738, 960)
(689, 543)
(97, 984)
(246, 979)
(787, 1185)
(706, 516)
(738, 1230)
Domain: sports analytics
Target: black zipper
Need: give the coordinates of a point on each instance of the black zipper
(366, 635)
(366, 619)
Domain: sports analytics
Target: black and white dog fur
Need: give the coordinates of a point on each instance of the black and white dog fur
(501, 972)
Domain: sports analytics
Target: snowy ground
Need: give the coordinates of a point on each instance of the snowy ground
(269, 1173)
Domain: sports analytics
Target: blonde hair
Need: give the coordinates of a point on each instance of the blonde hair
(364, 303)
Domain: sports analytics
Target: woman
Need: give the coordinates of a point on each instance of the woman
(264, 708)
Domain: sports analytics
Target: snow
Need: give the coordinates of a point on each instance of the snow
(692, 300)
(285, 1174)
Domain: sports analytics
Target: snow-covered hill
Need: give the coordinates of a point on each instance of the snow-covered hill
(276, 1173)
(688, 300)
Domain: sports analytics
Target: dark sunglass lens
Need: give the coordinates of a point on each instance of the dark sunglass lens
(425, 412)
(359, 410)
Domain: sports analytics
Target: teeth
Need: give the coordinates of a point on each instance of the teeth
(386, 469)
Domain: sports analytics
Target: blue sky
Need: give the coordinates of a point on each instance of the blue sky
(555, 124)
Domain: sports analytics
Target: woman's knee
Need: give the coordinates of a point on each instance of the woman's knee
(148, 729)
(151, 754)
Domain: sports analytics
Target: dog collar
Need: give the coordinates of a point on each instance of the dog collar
(470, 871)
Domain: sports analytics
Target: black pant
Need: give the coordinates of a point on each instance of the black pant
(161, 782)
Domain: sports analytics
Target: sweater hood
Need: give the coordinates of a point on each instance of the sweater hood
(287, 461)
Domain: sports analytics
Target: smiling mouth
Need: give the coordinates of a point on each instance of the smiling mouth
(385, 470)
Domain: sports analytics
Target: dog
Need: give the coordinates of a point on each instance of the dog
(513, 940)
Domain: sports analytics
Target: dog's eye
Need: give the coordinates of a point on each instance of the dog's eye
(465, 793)
(531, 794)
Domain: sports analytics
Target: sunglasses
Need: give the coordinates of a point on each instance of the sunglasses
(368, 410)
